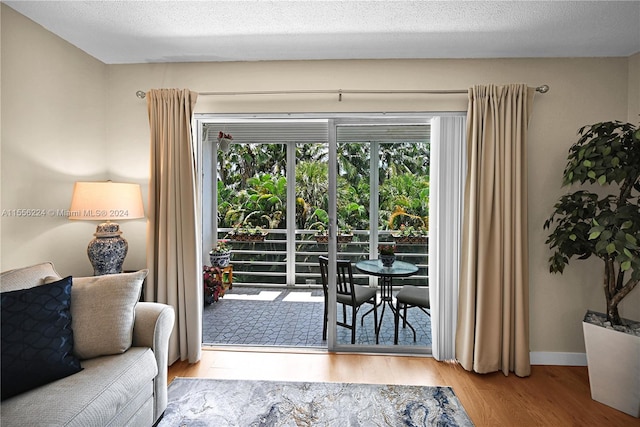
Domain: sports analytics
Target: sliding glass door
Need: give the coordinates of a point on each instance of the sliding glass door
(289, 189)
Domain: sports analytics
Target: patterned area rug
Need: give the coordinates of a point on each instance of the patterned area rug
(208, 402)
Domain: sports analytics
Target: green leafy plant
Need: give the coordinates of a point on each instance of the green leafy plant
(240, 229)
(608, 227)
(213, 286)
(322, 231)
(221, 247)
(386, 249)
(411, 231)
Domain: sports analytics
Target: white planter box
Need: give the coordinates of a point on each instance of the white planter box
(614, 367)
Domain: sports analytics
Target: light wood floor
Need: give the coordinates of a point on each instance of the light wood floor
(551, 396)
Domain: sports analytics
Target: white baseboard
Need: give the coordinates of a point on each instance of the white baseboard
(556, 358)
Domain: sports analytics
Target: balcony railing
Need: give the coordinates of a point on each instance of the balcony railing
(264, 263)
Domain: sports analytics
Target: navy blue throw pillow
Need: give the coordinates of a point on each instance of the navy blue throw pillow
(37, 339)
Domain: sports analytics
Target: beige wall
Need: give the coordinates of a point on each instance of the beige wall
(582, 91)
(53, 133)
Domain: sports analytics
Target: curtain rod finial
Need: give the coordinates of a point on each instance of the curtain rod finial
(140, 94)
(543, 89)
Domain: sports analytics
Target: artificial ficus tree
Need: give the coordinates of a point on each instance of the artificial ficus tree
(584, 223)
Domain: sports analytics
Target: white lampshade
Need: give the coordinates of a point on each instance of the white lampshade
(106, 201)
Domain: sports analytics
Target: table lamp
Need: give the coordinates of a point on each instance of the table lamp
(106, 201)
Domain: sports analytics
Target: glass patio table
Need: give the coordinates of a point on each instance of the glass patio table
(374, 267)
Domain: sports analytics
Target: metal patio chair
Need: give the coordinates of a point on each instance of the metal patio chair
(347, 294)
(410, 296)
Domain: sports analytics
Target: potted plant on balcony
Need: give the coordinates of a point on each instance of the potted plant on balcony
(246, 233)
(387, 254)
(412, 229)
(607, 227)
(213, 286)
(220, 255)
(345, 235)
(224, 141)
(411, 235)
(322, 234)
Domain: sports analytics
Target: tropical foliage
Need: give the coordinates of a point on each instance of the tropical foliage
(252, 186)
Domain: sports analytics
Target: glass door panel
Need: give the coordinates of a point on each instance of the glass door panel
(353, 198)
(312, 207)
(383, 198)
(403, 198)
(252, 210)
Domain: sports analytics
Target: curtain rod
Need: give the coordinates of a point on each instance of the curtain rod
(141, 94)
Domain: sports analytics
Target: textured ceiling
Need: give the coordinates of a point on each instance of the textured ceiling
(118, 32)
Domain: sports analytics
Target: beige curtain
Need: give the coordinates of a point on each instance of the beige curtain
(173, 252)
(493, 308)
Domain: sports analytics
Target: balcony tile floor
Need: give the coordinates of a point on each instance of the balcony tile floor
(288, 317)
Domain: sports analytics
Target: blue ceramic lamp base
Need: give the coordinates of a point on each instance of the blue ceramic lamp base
(107, 250)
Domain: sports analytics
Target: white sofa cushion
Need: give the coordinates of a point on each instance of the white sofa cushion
(27, 277)
(103, 312)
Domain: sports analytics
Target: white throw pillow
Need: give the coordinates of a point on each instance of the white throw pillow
(103, 313)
